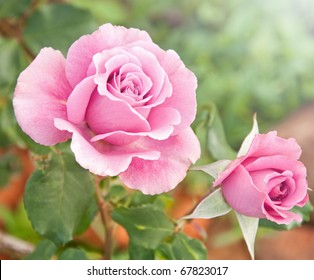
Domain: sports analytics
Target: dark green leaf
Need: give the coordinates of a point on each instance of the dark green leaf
(57, 26)
(146, 225)
(182, 247)
(44, 251)
(160, 201)
(73, 254)
(216, 140)
(11, 8)
(116, 193)
(58, 199)
(138, 252)
(12, 63)
(304, 211)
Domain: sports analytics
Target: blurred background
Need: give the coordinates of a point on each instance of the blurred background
(248, 55)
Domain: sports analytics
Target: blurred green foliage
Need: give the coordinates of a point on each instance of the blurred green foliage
(248, 55)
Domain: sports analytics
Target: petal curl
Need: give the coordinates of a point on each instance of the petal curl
(177, 153)
(270, 144)
(183, 82)
(102, 158)
(81, 52)
(241, 194)
(40, 96)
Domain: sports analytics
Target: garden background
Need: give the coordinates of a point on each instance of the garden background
(248, 56)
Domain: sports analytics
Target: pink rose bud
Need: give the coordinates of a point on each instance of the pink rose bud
(268, 181)
(126, 103)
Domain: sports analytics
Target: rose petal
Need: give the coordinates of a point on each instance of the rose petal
(79, 99)
(273, 213)
(40, 96)
(284, 163)
(102, 158)
(183, 82)
(164, 174)
(106, 37)
(163, 121)
(104, 115)
(241, 193)
(270, 144)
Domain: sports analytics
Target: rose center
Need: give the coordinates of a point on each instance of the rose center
(279, 192)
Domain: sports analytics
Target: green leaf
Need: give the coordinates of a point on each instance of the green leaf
(137, 252)
(216, 139)
(249, 139)
(58, 199)
(304, 211)
(182, 247)
(44, 251)
(11, 8)
(57, 26)
(12, 63)
(212, 206)
(73, 254)
(249, 228)
(213, 169)
(116, 193)
(109, 10)
(146, 225)
(159, 201)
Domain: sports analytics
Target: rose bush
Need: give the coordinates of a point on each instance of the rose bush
(126, 103)
(268, 181)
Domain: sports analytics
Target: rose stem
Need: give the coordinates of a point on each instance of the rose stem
(106, 220)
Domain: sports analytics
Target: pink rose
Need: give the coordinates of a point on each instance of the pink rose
(268, 181)
(126, 104)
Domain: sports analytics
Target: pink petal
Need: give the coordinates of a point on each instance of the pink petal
(283, 163)
(104, 115)
(273, 213)
(183, 82)
(40, 96)
(102, 158)
(270, 144)
(163, 121)
(79, 99)
(241, 194)
(164, 174)
(106, 37)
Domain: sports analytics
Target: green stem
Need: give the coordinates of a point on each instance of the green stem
(106, 220)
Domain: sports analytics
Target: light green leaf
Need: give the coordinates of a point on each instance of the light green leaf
(57, 26)
(249, 138)
(73, 254)
(58, 199)
(213, 169)
(146, 225)
(216, 139)
(212, 206)
(182, 247)
(44, 251)
(249, 228)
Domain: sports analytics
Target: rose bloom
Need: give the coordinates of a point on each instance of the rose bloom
(268, 181)
(126, 103)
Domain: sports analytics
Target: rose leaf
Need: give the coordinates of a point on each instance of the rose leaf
(182, 247)
(249, 227)
(60, 199)
(212, 206)
(213, 169)
(249, 138)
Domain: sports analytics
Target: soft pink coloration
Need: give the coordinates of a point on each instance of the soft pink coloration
(126, 104)
(268, 181)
